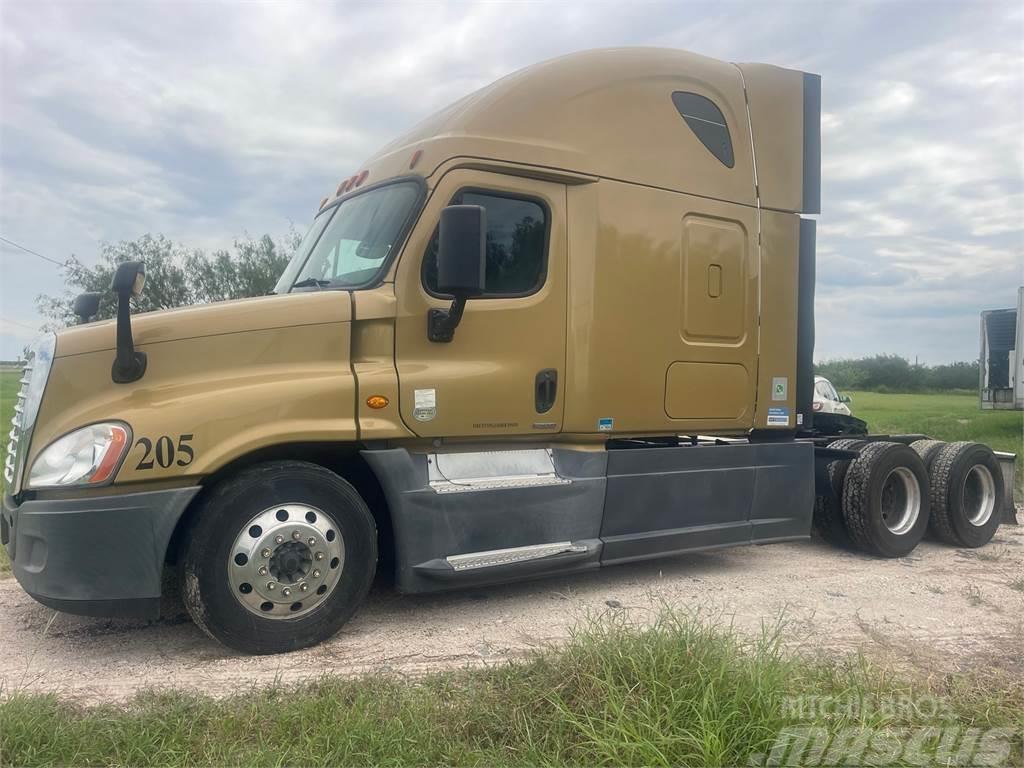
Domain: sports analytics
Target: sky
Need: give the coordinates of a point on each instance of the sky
(207, 121)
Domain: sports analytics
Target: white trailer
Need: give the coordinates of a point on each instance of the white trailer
(1001, 362)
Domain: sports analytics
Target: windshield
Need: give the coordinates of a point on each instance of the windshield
(348, 243)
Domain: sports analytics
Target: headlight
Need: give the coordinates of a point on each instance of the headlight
(87, 456)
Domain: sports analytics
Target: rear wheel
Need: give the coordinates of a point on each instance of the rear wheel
(885, 499)
(967, 494)
(927, 450)
(278, 558)
(828, 509)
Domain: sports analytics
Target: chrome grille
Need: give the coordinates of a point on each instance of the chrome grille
(16, 442)
(34, 376)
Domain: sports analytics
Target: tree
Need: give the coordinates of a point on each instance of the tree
(175, 275)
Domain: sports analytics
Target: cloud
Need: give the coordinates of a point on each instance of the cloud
(207, 120)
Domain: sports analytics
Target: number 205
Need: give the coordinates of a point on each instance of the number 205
(164, 451)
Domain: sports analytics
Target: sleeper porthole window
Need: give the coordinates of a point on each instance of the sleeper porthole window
(707, 122)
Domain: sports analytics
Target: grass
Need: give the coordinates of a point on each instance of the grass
(683, 692)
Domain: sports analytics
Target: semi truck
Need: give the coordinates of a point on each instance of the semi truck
(565, 323)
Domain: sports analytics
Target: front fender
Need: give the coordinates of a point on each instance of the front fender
(222, 395)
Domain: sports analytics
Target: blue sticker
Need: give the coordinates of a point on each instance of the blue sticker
(778, 417)
(605, 424)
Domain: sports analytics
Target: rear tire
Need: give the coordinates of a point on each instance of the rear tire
(927, 450)
(885, 499)
(967, 494)
(289, 523)
(828, 509)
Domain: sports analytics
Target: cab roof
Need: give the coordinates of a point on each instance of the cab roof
(638, 115)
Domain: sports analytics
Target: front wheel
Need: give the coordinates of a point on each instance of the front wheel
(278, 558)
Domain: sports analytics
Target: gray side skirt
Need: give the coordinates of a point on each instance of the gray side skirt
(602, 507)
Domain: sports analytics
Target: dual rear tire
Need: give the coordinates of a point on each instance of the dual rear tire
(887, 499)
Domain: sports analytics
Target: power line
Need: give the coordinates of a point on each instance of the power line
(34, 253)
(15, 322)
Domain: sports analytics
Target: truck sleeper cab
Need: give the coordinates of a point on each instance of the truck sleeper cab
(566, 322)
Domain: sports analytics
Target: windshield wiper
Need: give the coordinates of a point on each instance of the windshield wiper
(310, 282)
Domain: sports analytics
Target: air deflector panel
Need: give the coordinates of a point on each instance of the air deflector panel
(707, 123)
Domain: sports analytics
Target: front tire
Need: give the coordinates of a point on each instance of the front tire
(278, 558)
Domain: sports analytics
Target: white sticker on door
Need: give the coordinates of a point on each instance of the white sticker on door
(424, 404)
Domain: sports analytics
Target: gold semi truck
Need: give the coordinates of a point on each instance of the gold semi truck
(565, 323)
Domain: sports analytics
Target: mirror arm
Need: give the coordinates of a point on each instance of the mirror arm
(129, 365)
(441, 323)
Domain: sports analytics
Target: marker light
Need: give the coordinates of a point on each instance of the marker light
(323, 203)
(87, 456)
(415, 158)
(341, 188)
(362, 177)
(377, 402)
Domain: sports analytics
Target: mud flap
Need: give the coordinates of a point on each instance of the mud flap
(1008, 464)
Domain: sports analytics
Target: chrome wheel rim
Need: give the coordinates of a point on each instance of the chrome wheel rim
(901, 500)
(979, 495)
(286, 561)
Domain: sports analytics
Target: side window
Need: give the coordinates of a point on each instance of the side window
(707, 122)
(517, 244)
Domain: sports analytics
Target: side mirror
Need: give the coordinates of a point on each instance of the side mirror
(86, 306)
(461, 265)
(129, 280)
(845, 399)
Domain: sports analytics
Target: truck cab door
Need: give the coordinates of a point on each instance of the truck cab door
(502, 373)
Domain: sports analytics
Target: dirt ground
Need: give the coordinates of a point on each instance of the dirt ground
(941, 610)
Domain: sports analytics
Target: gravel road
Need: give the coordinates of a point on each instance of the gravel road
(940, 610)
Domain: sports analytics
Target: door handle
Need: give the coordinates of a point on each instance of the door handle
(545, 389)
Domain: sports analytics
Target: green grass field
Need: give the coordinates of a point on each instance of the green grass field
(949, 417)
(686, 692)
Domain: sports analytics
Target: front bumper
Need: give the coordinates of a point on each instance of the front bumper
(94, 556)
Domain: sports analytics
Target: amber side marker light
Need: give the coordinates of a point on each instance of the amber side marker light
(415, 158)
(377, 401)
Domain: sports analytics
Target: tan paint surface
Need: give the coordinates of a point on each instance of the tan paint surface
(484, 378)
(629, 294)
(233, 391)
(776, 116)
(780, 261)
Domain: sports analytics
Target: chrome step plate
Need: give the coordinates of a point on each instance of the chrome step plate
(473, 560)
(492, 470)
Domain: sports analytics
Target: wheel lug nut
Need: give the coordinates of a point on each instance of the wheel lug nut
(311, 541)
(263, 570)
(278, 539)
(286, 592)
(316, 574)
(265, 552)
(271, 586)
(319, 555)
(303, 587)
(296, 535)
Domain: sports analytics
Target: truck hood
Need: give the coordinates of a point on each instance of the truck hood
(223, 317)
